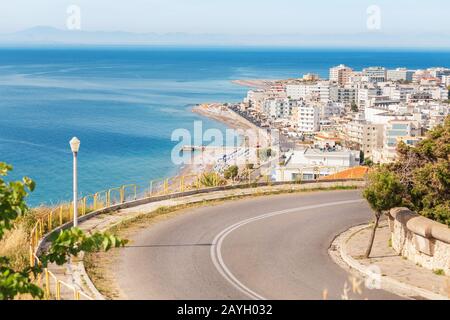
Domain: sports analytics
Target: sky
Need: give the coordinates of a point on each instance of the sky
(233, 17)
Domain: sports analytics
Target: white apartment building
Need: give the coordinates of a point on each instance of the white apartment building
(331, 109)
(307, 164)
(344, 94)
(375, 74)
(420, 96)
(421, 74)
(436, 92)
(279, 108)
(276, 91)
(430, 114)
(401, 93)
(397, 130)
(319, 91)
(308, 118)
(383, 102)
(255, 99)
(400, 74)
(439, 72)
(366, 136)
(365, 94)
(378, 115)
(356, 77)
(340, 74)
(297, 91)
(446, 80)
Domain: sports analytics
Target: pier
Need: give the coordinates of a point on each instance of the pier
(193, 148)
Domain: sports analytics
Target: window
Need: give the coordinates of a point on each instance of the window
(399, 126)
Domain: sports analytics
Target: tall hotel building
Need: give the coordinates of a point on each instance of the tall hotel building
(341, 74)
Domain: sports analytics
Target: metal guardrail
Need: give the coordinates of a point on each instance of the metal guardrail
(57, 217)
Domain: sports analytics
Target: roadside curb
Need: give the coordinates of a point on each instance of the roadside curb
(81, 277)
(338, 252)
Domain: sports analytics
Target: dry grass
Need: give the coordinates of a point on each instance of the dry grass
(15, 247)
(96, 265)
(15, 244)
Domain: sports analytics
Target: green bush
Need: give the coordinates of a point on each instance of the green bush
(211, 179)
(231, 172)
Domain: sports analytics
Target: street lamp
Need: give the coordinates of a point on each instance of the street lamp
(75, 146)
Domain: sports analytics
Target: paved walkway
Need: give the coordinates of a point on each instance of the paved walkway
(392, 265)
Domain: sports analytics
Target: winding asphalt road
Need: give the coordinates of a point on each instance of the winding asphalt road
(260, 248)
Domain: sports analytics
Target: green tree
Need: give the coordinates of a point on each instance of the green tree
(368, 162)
(64, 245)
(424, 170)
(354, 107)
(231, 172)
(383, 192)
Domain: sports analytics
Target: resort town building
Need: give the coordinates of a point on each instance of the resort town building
(308, 118)
(363, 136)
(375, 74)
(400, 74)
(366, 93)
(340, 74)
(420, 74)
(255, 99)
(319, 91)
(276, 108)
(436, 92)
(344, 94)
(309, 163)
(439, 72)
(420, 96)
(399, 92)
(395, 131)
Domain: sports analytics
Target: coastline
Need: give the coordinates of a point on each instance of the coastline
(257, 137)
(254, 83)
(219, 112)
(210, 111)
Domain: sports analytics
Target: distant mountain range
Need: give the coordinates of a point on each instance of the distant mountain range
(43, 35)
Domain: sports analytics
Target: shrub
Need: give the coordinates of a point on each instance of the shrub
(231, 172)
(211, 179)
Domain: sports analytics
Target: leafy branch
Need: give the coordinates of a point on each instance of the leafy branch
(64, 245)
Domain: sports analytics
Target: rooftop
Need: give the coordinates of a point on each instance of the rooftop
(352, 173)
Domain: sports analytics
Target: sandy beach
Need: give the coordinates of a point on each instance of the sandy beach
(207, 160)
(256, 84)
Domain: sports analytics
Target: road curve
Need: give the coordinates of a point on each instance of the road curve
(271, 247)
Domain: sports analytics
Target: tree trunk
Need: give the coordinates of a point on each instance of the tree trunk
(372, 236)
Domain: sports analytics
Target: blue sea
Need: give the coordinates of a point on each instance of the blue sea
(124, 102)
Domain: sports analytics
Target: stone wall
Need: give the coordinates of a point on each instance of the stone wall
(421, 240)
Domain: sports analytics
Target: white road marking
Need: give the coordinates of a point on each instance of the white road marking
(216, 247)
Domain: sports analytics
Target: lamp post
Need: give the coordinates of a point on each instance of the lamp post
(75, 146)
